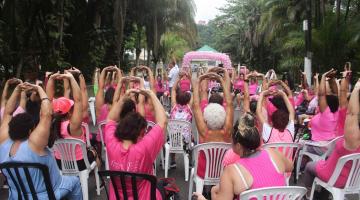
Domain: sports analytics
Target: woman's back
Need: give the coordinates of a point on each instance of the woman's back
(263, 169)
(25, 154)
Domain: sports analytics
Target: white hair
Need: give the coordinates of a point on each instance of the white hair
(214, 115)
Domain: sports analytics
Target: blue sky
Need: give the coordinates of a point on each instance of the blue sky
(207, 9)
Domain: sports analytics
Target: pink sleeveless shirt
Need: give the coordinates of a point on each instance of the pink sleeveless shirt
(65, 134)
(263, 170)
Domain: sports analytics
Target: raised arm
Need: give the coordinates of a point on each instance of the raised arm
(246, 100)
(286, 89)
(322, 90)
(352, 132)
(99, 98)
(9, 109)
(160, 115)
(67, 89)
(316, 84)
(259, 107)
(5, 93)
(50, 86)
(83, 88)
(344, 87)
(173, 92)
(289, 106)
(119, 86)
(77, 115)
(38, 139)
(229, 120)
(199, 118)
(151, 78)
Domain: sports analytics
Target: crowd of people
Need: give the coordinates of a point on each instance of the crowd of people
(34, 115)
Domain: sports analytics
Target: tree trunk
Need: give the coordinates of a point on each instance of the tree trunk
(119, 17)
(338, 9)
(138, 44)
(322, 11)
(97, 20)
(61, 22)
(148, 62)
(347, 10)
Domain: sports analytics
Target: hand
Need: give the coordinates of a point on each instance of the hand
(13, 81)
(316, 76)
(74, 70)
(55, 76)
(198, 196)
(281, 93)
(330, 73)
(274, 82)
(66, 75)
(108, 68)
(269, 92)
(357, 85)
(216, 69)
(303, 74)
(29, 87)
(346, 74)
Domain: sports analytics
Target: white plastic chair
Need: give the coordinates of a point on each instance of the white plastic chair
(87, 133)
(329, 145)
(165, 102)
(268, 193)
(151, 124)
(92, 109)
(175, 143)
(101, 126)
(66, 148)
(289, 149)
(214, 155)
(352, 185)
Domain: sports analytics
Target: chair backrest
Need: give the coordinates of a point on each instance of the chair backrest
(214, 155)
(353, 180)
(149, 126)
(289, 149)
(272, 193)
(101, 126)
(17, 170)
(175, 130)
(331, 146)
(66, 148)
(121, 179)
(87, 133)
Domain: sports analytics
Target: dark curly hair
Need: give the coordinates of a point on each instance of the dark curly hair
(216, 98)
(333, 102)
(182, 97)
(20, 126)
(109, 95)
(130, 127)
(280, 119)
(128, 106)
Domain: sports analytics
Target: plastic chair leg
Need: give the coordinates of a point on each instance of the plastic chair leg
(191, 183)
(97, 181)
(167, 157)
(199, 185)
(186, 166)
(298, 164)
(84, 175)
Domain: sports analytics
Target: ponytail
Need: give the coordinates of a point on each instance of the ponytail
(55, 128)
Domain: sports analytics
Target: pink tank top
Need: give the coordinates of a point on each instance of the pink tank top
(185, 85)
(149, 114)
(239, 85)
(104, 111)
(65, 134)
(181, 113)
(263, 170)
(253, 88)
(277, 136)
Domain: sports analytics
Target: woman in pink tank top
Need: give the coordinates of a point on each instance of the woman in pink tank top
(255, 169)
(68, 116)
(350, 144)
(282, 128)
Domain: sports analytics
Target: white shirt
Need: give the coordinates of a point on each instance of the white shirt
(266, 132)
(173, 74)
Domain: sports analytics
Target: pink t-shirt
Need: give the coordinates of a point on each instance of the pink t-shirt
(239, 85)
(299, 99)
(159, 86)
(149, 113)
(253, 88)
(325, 168)
(65, 134)
(138, 158)
(341, 122)
(18, 110)
(104, 111)
(324, 125)
(185, 85)
(270, 108)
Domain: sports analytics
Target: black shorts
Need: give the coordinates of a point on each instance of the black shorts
(237, 91)
(81, 163)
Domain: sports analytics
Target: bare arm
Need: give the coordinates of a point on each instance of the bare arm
(343, 102)
(99, 98)
(84, 96)
(76, 117)
(5, 93)
(173, 92)
(225, 189)
(119, 86)
(160, 115)
(259, 107)
(151, 78)
(289, 106)
(229, 120)
(199, 118)
(322, 93)
(38, 139)
(23, 100)
(246, 97)
(287, 89)
(9, 109)
(50, 86)
(67, 89)
(352, 131)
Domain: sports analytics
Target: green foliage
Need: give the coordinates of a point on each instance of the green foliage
(173, 46)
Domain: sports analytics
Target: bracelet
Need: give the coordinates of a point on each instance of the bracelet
(45, 98)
